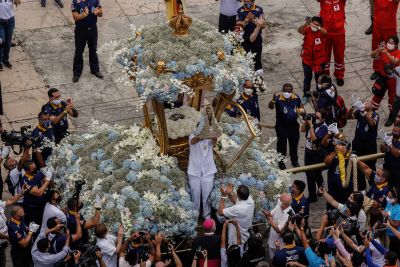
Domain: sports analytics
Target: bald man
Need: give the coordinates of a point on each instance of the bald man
(277, 218)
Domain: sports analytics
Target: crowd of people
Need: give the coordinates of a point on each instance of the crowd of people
(361, 224)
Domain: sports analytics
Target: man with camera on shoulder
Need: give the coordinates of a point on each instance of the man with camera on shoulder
(315, 128)
(59, 111)
(43, 140)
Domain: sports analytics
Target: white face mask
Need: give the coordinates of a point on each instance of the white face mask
(314, 29)
(330, 92)
(286, 95)
(378, 179)
(319, 86)
(390, 46)
(248, 91)
(56, 102)
(389, 200)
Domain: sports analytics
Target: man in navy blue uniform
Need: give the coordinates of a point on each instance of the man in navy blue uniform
(249, 102)
(34, 199)
(299, 201)
(59, 111)
(85, 13)
(251, 17)
(364, 142)
(289, 253)
(288, 105)
(315, 131)
(43, 140)
(77, 225)
(20, 238)
(391, 147)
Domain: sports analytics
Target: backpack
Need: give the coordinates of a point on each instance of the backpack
(340, 112)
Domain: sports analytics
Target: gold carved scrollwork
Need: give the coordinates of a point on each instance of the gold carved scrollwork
(196, 80)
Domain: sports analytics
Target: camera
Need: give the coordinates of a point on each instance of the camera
(309, 117)
(315, 94)
(17, 138)
(199, 252)
(79, 184)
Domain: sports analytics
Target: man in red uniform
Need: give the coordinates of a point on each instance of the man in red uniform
(389, 56)
(385, 25)
(333, 16)
(313, 53)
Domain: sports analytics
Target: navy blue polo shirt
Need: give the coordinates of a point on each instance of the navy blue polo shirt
(79, 7)
(249, 104)
(34, 181)
(325, 101)
(286, 109)
(365, 132)
(298, 205)
(41, 137)
(56, 110)
(335, 187)
(249, 28)
(392, 162)
(320, 131)
(376, 192)
(289, 254)
(57, 243)
(17, 231)
(71, 225)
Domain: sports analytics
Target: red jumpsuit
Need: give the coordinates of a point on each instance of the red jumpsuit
(390, 81)
(385, 24)
(333, 18)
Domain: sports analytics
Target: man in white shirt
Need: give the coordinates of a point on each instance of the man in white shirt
(3, 225)
(52, 209)
(201, 170)
(109, 245)
(227, 15)
(242, 211)
(7, 25)
(278, 218)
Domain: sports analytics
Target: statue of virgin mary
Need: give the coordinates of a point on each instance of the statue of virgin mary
(173, 8)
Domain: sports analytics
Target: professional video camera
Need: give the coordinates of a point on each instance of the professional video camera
(89, 258)
(18, 138)
(309, 116)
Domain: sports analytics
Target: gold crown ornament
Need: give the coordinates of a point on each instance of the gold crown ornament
(180, 24)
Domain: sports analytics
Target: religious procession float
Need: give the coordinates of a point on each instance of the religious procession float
(139, 171)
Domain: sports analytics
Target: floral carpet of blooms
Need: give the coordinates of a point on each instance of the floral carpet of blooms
(256, 167)
(121, 165)
(184, 57)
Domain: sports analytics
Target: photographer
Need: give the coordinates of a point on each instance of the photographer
(109, 245)
(59, 111)
(159, 238)
(315, 129)
(210, 242)
(34, 200)
(385, 54)
(290, 254)
(351, 209)
(254, 250)
(288, 106)
(14, 169)
(76, 223)
(230, 257)
(53, 209)
(131, 253)
(43, 136)
(41, 249)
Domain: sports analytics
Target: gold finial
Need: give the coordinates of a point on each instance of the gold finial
(180, 23)
(160, 67)
(138, 34)
(221, 55)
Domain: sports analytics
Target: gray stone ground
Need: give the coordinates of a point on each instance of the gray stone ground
(44, 57)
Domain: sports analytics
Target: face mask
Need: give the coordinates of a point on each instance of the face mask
(248, 91)
(314, 29)
(390, 46)
(46, 124)
(389, 200)
(319, 85)
(56, 102)
(378, 179)
(330, 92)
(287, 95)
(248, 6)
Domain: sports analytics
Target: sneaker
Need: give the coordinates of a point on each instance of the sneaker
(282, 165)
(13, 44)
(59, 3)
(304, 100)
(98, 74)
(8, 64)
(369, 30)
(374, 75)
(389, 122)
(1, 67)
(340, 82)
(75, 79)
